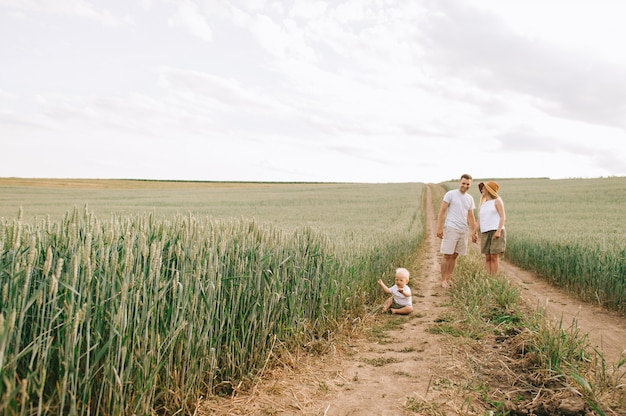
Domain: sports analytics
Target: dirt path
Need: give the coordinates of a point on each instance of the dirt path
(606, 329)
(411, 367)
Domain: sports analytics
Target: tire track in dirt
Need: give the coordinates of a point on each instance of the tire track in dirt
(606, 329)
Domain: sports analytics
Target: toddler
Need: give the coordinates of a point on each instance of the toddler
(401, 301)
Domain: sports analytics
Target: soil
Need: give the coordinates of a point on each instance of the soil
(415, 371)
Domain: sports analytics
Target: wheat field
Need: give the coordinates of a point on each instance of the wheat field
(138, 297)
(116, 310)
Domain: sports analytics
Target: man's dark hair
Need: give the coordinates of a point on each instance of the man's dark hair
(466, 176)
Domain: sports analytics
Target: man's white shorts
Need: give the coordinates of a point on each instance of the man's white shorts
(454, 241)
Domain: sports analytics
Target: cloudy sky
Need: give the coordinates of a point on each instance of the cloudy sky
(308, 90)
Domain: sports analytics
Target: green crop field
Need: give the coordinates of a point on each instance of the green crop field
(132, 298)
(135, 297)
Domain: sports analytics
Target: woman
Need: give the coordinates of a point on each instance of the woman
(491, 219)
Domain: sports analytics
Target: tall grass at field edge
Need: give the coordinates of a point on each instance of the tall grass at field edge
(556, 353)
(143, 315)
(592, 269)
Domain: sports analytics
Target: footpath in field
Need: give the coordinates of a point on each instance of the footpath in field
(411, 371)
(606, 329)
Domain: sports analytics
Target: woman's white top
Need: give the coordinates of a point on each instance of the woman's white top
(489, 217)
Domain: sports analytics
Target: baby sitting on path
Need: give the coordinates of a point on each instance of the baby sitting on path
(401, 301)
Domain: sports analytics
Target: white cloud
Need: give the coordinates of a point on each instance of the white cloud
(570, 23)
(5, 96)
(76, 8)
(309, 10)
(282, 40)
(188, 17)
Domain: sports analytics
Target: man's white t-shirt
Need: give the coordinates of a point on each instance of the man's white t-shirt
(458, 206)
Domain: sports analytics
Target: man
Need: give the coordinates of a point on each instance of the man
(457, 209)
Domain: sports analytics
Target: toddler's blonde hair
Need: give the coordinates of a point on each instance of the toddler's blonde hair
(401, 271)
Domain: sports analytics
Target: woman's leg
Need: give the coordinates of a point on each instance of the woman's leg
(495, 263)
(492, 263)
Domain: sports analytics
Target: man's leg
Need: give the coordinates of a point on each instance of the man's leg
(447, 267)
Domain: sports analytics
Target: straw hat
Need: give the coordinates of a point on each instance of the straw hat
(492, 188)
